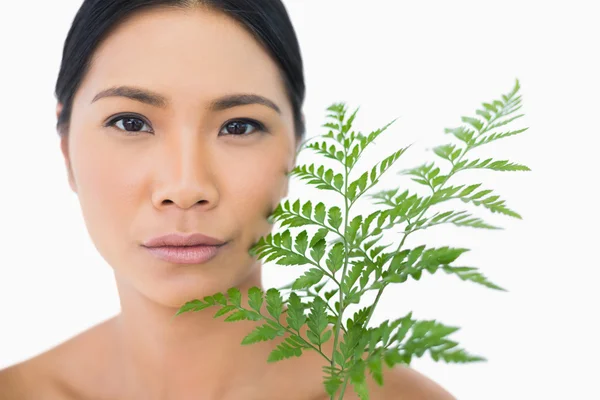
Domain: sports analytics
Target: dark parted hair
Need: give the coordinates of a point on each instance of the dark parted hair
(267, 20)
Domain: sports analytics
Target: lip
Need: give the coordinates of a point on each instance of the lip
(180, 239)
(185, 254)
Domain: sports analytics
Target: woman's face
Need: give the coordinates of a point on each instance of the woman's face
(173, 158)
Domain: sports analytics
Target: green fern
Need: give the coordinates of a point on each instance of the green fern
(355, 261)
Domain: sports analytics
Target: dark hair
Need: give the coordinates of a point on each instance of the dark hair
(267, 20)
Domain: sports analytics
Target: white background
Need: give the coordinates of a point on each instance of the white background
(427, 63)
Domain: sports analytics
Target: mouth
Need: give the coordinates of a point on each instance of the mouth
(196, 254)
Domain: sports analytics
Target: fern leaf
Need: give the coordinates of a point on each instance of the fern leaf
(309, 279)
(496, 136)
(385, 165)
(458, 218)
(358, 380)
(430, 336)
(321, 178)
(474, 122)
(360, 184)
(255, 298)
(352, 229)
(193, 305)
(425, 174)
(334, 217)
(455, 356)
(225, 310)
(505, 122)
(295, 312)
(448, 152)
(329, 151)
(463, 134)
(365, 141)
(289, 348)
(385, 197)
(274, 303)
(235, 296)
(471, 274)
(332, 384)
(301, 242)
(502, 165)
(335, 258)
(279, 247)
(413, 262)
(262, 333)
(492, 202)
(317, 322)
(243, 315)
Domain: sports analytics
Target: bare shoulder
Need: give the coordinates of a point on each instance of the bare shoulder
(24, 381)
(412, 385)
(12, 385)
(53, 374)
(402, 383)
(399, 383)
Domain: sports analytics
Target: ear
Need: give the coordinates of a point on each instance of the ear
(64, 147)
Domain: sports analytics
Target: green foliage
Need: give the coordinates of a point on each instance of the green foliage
(355, 261)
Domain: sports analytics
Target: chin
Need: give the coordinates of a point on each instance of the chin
(175, 285)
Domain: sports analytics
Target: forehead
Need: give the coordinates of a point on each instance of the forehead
(192, 54)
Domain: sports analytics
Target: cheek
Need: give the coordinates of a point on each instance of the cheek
(108, 191)
(256, 189)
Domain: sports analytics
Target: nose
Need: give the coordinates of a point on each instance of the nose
(184, 177)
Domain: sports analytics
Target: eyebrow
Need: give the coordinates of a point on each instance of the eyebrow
(157, 100)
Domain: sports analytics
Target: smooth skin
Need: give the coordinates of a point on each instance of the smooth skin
(179, 166)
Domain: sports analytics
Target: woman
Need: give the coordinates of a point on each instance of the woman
(180, 118)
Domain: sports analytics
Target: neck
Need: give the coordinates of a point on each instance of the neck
(192, 355)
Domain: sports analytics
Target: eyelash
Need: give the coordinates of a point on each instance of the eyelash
(258, 127)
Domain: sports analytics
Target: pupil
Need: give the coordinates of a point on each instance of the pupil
(133, 124)
(237, 127)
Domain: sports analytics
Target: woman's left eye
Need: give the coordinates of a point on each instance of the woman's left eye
(239, 127)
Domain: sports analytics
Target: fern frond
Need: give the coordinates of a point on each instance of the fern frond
(329, 151)
(505, 122)
(502, 165)
(463, 134)
(362, 184)
(279, 247)
(364, 141)
(471, 274)
(448, 152)
(496, 136)
(430, 336)
(291, 347)
(458, 218)
(413, 262)
(492, 202)
(262, 333)
(296, 214)
(317, 322)
(427, 174)
(321, 178)
(385, 197)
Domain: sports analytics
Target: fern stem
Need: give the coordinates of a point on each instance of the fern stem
(341, 311)
(290, 331)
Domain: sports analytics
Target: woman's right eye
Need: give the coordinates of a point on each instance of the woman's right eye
(130, 123)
